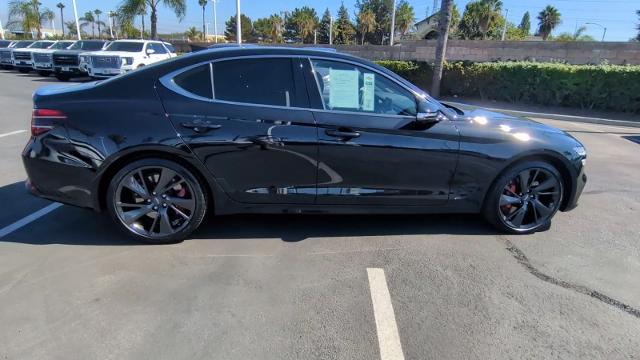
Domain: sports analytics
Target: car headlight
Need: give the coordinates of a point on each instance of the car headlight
(580, 151)
(127, 61)
(84, 59)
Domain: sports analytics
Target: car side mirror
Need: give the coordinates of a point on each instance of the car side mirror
(150, 51)
(428, 112)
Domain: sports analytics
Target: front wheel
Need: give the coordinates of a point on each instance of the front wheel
(24, 70)
(156, 201)
(63, 78)
(44, 73)
(525, 198)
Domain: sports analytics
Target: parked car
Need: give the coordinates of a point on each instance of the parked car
(43, 58)
(22, 59)
(6, 57)
(5, 47)
(284, 130)
(67, 64)
(122, 56)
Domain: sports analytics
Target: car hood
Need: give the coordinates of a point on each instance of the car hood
(501, 121)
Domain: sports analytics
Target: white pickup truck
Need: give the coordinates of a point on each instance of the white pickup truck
(42, 59)
(122, 56)
(22, 59)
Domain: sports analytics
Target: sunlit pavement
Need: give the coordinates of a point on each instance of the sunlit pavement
(329, 287)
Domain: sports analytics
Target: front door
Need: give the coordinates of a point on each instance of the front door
(371, 150)
(246, 120)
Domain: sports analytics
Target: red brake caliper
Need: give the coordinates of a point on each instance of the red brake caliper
(512, 188)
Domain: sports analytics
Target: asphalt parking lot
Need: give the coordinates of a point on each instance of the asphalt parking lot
(323, 287)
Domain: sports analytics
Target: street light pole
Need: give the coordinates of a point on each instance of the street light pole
(393, 22)
(215, 21)
(331, 30)
(111, 24)
(75, 14)
(1, 31)
(604, 29)
(504, 29)
(238, 25)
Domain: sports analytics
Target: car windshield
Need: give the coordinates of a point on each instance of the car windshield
(23, 44)
(170, 48)
(40, 45)
(87, 45)
(127, 46)
(4, 43)
(61, 45)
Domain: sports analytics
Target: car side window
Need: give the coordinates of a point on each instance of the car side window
(347, 87)
(265, 81)
(196, 81)
(159, 48)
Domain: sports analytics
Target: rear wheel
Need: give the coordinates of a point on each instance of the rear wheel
(156, 201)
(525, 198)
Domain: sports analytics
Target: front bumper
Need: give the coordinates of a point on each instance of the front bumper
(23, 64)
(109, 72)
(69, 70)
(578, 185)
(43, 66)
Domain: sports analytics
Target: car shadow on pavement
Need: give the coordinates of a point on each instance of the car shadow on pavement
(69, 225)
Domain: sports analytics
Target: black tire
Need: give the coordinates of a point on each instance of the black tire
(194, 186)
(24, 71)
(63, 78)
(494, 212)
(44, 73)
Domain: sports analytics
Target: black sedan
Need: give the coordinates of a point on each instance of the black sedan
(284, 130)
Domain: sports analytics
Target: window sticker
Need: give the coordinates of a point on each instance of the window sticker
(368, 92)
(343, 89)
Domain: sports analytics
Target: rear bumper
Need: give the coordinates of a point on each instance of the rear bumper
(54, 175)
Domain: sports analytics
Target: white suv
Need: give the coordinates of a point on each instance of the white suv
(42, 59)
(122, 56)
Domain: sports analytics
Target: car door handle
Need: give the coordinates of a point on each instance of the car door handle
(346, 134)
(200, 126)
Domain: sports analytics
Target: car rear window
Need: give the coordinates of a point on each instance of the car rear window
(196, 81)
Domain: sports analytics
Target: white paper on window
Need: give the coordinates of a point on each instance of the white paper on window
(368, 92)
(343, 91)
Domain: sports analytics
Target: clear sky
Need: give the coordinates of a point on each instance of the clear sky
(617, 15)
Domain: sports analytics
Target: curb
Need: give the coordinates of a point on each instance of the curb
(560, 117)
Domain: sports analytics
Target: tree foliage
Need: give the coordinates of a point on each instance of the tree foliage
(525, 24)
(129, 9)
(405, 17)
(578, 35)
(548, 19)
(323, 27)
(301, 24)
(345, 30)
(481, 20)
(246, 25)
(382, 10)
(28, 15)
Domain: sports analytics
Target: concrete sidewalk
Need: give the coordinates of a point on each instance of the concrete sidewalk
(552, 112)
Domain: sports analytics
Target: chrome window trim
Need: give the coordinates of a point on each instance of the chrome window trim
(167, 81)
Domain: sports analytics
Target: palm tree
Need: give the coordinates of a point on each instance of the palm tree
(28, 14)
(405, 17)
(276, 23)
(89, 19)
(98, 12)
(131, 8)
(192, 33)
(549, 19)
(203, 4)
(366, 22)
(489, 13)
(441, 48)
(61, 7)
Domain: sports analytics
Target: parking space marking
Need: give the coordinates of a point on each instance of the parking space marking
(12, 133)
(388, 336)
(28, 219)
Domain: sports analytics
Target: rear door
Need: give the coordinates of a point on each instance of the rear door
(247, 119)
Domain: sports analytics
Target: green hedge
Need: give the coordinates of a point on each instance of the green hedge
(606, 87)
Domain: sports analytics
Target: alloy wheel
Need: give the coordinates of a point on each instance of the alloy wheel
(530, 199)
(154, 201)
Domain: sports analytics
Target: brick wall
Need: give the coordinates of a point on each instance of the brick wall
(479, 51)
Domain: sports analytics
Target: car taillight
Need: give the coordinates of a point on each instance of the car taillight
(43, 120)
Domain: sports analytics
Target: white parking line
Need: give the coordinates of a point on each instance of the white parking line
(12, 133)
(388, 336)
(28, 219)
